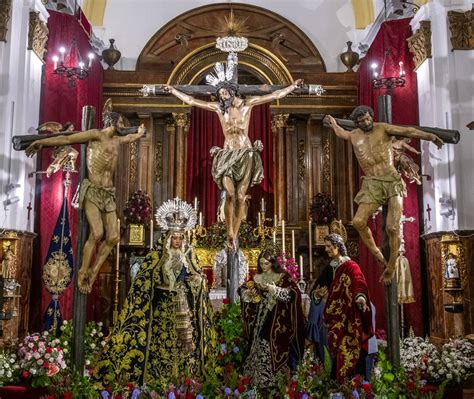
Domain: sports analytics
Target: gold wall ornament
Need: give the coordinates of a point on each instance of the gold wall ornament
(181, 119)
(420, 43)
(158, 160)
(57, 273)
(136, 234)
(37, 35)
(133, 161)
(279, 121)
(461, 26)
(5, 8)
(301, 159)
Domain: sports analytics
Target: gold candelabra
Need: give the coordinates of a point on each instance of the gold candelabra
(263, 231)
(198, 231)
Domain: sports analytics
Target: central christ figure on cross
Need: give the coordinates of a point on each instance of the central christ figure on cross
(238, 165)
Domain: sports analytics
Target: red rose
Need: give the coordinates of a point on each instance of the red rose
(67, 395)
(246, 380)
(293, 384)
(187, 382)
(189, 395)
(48, 350)
(240, 388)
(367, 388)
(25, 374)
(410, 386)
(130, 386)
(226, 301)
(46, 365)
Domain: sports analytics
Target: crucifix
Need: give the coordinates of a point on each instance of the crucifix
(428, 211)
(237, 166)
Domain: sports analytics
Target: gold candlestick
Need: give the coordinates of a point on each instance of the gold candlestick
(117, 277)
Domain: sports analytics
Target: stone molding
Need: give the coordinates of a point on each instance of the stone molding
(5, 9)
(461, 25)
(37, 35)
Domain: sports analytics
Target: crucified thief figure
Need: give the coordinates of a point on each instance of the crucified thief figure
(238, 165)
(97, 193)
(382, 184)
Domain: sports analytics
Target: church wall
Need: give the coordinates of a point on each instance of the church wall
(329, 24)
(446, 100)
(20, 89)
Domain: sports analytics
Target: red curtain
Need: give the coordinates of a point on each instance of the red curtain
(393, 36)
(61, 104)
(205, 132)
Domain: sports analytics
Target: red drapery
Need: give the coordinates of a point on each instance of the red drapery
(61, 104)
(205, 132)
(392, 36)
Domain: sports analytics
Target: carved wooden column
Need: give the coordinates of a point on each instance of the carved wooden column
(181, 122)
(420, 43)
(279, 123)
(145, 156)
(462, 33)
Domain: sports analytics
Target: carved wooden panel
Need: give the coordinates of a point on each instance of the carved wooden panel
(344, 175)
(420, 43)
(199, 27)
(444, 324)
(20, 246)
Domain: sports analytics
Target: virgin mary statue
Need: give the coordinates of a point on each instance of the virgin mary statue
(165, 329)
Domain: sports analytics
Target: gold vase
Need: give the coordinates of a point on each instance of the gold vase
(349, 58)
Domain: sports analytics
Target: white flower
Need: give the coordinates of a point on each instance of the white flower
(92, 345)
(64, 322)
(39, 362)
(88, 362)
(65, 350)
(102, 343)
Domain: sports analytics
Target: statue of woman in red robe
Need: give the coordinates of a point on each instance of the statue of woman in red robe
(273, 322)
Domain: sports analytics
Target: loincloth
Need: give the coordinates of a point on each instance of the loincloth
(233, 164)
(379, 189)
(103, 198)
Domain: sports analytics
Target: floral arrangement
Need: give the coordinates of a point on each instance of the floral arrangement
(420, 356)
(216, 236)
(8, 367)
(93, 342)
(138, 209)
(323, 209)
(40, 358)
(289, 264)
(457, 357)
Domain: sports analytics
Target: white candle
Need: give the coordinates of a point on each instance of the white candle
(55, 60)
(274, 236)
(259, 219)
(195, 203)
(263, 205)
(200, 218)
(151, 233)
(275, 220)
(301, 266)
(293, 244)
(283, 236)
(310, 236)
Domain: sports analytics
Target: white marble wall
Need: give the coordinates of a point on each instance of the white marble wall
(446, 99)
(20, 86)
